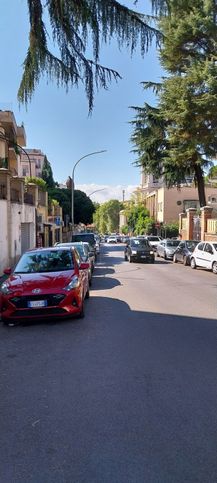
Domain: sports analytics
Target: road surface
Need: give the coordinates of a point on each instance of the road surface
(126, 395)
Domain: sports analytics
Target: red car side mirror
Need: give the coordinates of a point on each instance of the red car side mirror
(7, 271)
(84, 266)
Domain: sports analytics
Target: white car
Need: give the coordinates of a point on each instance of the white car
(205, 255)
(112, 239)
(154, 240)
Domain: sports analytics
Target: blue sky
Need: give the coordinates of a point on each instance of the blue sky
(58, 123)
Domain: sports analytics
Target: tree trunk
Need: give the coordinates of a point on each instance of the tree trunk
(200, 184)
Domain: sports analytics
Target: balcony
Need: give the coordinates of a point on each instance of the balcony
(3, 192)
(16, 196)
(42, 198)
(28, 199)
(55, 220)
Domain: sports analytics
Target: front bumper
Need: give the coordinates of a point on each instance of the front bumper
(69, 306)
(143, 258)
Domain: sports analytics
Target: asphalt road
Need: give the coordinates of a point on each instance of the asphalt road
(126, 395)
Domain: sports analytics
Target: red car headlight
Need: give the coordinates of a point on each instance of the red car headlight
(5, 289)
(73, 284)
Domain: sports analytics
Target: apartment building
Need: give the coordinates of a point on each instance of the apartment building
(17, 206)
(31, 163)
(165, 204)
(26, 219)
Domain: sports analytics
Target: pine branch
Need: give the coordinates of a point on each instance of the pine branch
(72, 22)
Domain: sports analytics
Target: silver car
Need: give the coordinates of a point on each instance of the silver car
(166, 248)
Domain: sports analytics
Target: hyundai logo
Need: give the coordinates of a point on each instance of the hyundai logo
(36, 290)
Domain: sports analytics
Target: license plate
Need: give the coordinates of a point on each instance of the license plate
(143, 256)
(37, 303)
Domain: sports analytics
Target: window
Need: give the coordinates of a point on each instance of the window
(24, 172)
(208, 248)
(200, 246)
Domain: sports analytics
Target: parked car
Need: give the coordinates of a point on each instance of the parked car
(153, 240)
(97, 245)
(139, 250)
(184, 251)
(205, 255)
(84, 252)
(86, 237)
(111, 239)
(126, 239)
(166, 248)
(46, 283)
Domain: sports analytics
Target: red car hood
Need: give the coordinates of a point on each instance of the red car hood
(26, 282)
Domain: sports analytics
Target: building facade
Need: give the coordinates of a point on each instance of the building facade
(36, 158)
(27, 220)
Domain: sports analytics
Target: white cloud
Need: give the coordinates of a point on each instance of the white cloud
(107, 192)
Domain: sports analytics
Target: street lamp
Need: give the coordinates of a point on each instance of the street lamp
(96, 191)
(73, 173)
(2, 136)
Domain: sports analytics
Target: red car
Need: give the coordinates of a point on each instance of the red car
(47, 282)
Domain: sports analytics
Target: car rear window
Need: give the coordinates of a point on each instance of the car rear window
(153, 238)
(173, 243)
(140, 243)
(191, 245)
(84, 237)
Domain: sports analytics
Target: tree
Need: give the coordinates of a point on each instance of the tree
(84, 208)
(83, 205)
(47, 174)
(187, 105)
(72, 24)
(106, 217)
(138, 219)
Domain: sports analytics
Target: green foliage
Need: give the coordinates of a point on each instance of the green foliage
(178, 139)
(47, 174)
(38, 181)
(75, 27)
(212, 172)
(124, 229)
(169, 230)
(137, 219)
(106, 217)
(83, 206)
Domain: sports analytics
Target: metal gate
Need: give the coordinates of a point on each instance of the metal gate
(196, 228)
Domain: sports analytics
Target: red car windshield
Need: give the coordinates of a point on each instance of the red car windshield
(45, 261)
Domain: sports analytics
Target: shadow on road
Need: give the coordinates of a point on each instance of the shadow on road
(121, 395)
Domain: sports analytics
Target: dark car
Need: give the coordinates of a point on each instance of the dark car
(139, 250)
(46, 283)
(184, 251)
(86, 237)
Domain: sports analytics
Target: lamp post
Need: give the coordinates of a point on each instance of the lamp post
(96, 191)
(2, 136)
(73, 173)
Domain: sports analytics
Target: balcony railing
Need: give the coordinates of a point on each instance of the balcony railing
(42, 198)
(15, 196)
(28, 199)
(3, 192)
